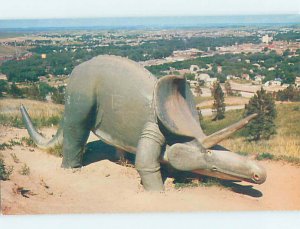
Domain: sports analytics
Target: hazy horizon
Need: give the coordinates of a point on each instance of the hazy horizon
(161, 16)
(61, 9)
(156, 22)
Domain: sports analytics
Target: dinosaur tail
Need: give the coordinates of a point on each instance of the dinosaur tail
(38, 139)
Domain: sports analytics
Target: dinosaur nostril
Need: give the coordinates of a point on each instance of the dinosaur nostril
(256, 177)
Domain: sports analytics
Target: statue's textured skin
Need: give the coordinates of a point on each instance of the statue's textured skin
(127, 107)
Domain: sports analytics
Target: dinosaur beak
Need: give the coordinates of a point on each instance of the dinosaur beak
(216, 163)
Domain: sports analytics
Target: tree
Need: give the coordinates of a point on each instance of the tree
(3, 87)
(189, 76)
(219, 105)
(228, 88)
(58, 95)
(288, 94)
(15, 91)
(44, 90)
(263, 126)
(198, 90)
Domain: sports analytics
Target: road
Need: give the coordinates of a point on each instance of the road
(208, 112)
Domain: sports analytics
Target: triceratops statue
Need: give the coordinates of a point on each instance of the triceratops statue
(127, 107)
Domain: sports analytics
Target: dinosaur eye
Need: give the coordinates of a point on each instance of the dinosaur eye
(209, 153)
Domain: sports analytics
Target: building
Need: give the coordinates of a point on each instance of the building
(258, 79)
(273, 83)
(195, 87)
(245, 76)
(297, 81)
(3, 77)
(219, 69)
(194, 69)
(202, 77)
(210, 82)
(266, 39)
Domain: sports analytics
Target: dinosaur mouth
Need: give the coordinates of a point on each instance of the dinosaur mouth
(214, 172)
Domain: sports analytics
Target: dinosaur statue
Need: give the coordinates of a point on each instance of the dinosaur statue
(127, 107)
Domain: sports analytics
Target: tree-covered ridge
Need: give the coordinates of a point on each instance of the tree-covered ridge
(61, 59)
(288, 36)
(285, 67)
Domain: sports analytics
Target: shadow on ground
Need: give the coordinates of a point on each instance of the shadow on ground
(97, 150)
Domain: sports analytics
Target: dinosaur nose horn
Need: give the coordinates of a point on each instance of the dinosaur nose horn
(215, 138)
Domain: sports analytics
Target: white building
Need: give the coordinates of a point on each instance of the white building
(209, 82)
(3, 77)
(202, 77)
(273, 83)
(194, 69)
(297, 81)
(266, 39)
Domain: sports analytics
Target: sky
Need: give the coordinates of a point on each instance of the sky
(35, 9)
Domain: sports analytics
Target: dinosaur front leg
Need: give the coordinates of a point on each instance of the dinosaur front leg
(147, 157)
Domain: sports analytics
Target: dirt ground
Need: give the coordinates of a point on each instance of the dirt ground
(104, 186)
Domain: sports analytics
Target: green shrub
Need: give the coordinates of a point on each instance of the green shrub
(57, 150)
(25, 170)
(4, 146)
(28, 141)
(5, 172)
(264, 156)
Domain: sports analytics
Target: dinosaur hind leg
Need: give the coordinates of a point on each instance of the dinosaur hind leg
(78, 117)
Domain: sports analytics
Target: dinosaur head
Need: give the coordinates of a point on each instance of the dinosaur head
(218, 163)
(177, 115)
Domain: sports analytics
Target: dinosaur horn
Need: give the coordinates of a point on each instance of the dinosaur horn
(38, 139)
(215, 138)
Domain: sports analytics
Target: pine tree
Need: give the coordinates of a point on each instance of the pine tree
(263, 126)
(15, 91)
(219, 105)
(3, 87)
(198, 90)
(228, 88)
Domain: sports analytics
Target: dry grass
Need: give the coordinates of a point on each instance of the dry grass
(285, 144)
(229, 101)
(42, 113)
(278, 146)
(36, 109)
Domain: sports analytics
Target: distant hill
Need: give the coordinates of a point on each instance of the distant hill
(150, 22)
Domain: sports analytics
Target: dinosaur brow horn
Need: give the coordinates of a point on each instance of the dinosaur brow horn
(215, 138)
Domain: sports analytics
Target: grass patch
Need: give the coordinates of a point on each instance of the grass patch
(179, 185)
(204, 181)
(16, 121)
(5, 146)
(231, 117)
(28, 142)
(264, 156)
(56, 151)
(42, 114)
(15, 158)
(200, 99)
(285, 145)
(25, 170)
(242, 153)
(5, 171)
